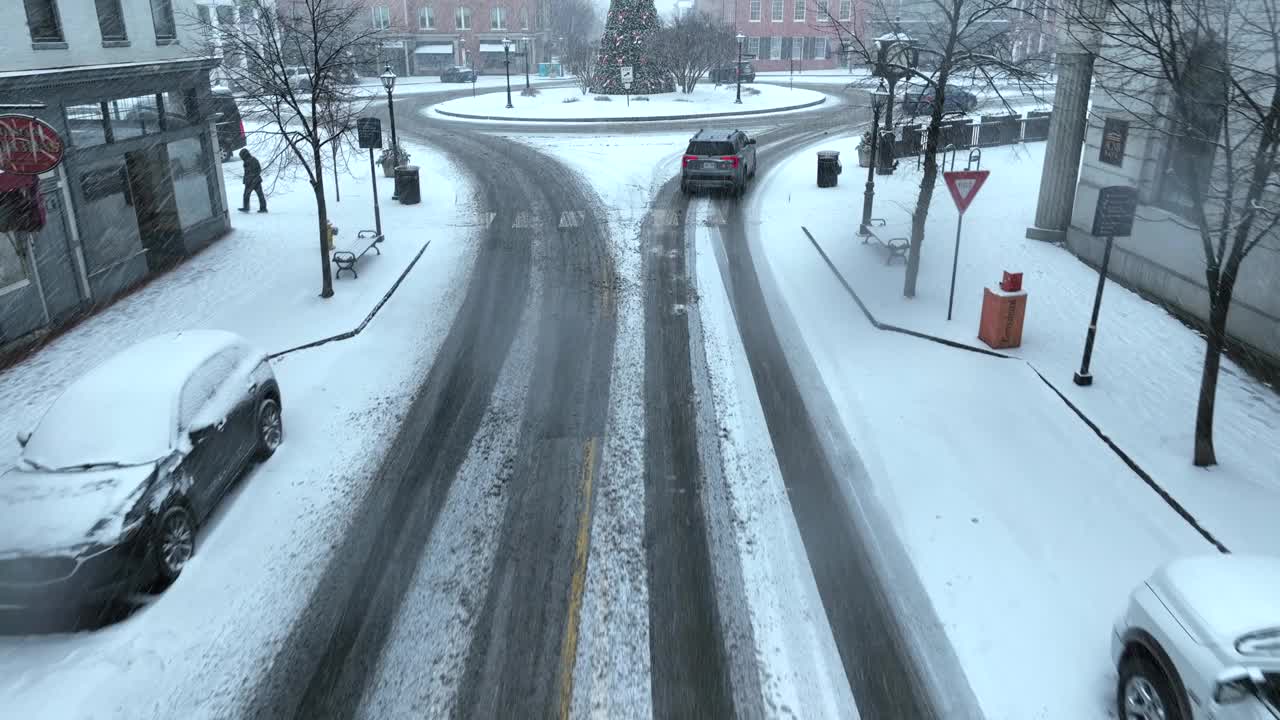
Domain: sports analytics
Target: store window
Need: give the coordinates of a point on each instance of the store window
(162, 19)
(133, 117)
(188, 167)
(178, 108)
(426, 17)
(113, 234)
(462, 18)
(87, 123)
(753, 46)
(755, 10)
(111, 20)
(820, 48)
(42, 20)
(13, 260)
(775, 49)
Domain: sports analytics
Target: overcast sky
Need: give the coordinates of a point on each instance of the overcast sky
(666, 8)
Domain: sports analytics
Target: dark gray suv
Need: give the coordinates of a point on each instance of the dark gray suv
(718, 159)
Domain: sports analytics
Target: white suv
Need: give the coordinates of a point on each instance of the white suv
(1200, 640)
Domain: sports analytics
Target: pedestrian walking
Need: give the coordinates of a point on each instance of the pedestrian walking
(252, 181)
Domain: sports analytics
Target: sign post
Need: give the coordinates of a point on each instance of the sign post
(1112, 218)
(627, 77)
(369, 132)
(964, 186)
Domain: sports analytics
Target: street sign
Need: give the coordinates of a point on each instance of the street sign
(369, 131)
(1115, 133)
(964, 186)
(28, 145)
(1113, 215)
(627, 75)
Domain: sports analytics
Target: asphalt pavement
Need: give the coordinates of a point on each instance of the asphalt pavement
(520, 661)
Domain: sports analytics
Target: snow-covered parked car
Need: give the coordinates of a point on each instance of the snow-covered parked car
(114, 481)
(1200, 639)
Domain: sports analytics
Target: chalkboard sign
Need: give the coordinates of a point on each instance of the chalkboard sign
(1115, 133)
(1113, 216)
(369, 130)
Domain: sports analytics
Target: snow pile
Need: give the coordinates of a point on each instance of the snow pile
(553, 104)
(1027, 531)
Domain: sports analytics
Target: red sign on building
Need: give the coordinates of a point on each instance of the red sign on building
(28, 145)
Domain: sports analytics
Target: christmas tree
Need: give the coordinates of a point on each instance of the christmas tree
(630, 37)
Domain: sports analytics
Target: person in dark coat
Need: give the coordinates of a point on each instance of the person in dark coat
(252, 181)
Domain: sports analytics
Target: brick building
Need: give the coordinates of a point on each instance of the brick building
(420, 37)
(783, 34)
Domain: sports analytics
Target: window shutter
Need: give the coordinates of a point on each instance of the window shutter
(764, 48)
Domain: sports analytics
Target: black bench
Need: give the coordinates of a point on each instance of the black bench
(894, 238)
(346, 259)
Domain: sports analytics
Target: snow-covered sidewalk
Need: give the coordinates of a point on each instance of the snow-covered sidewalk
(1027, 531)
(569, 104)
(195, 650)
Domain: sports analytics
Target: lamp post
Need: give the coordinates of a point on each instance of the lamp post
(869, 195)
(389, 82)
(738, 70)
(506, 60)
(527, 47)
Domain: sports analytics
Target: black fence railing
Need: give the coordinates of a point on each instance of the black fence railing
(964, 133)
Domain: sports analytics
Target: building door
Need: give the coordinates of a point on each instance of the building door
(151, 187)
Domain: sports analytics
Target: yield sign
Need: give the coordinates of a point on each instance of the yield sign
(964, 185)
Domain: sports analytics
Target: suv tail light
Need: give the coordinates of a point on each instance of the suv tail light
(684, 161)
(732, 160)
(241, 127)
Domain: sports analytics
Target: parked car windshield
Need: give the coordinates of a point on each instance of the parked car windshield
(100, 425)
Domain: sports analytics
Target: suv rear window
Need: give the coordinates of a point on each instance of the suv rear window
(704, 147)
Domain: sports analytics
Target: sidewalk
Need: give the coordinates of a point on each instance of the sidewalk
(1027, 531)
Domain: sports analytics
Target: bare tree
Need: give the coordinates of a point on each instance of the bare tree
(573, 23)
(1202, 78)
(956, 40)
(305, 113)
(692, 44)
(580, 62)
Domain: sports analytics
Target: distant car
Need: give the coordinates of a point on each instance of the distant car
(222, 107)
(1200, 640)
(115, 480)
(718, 159)
(956, 101)
(458, 73)
(725, 74)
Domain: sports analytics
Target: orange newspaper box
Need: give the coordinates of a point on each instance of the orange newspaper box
(1002, 314)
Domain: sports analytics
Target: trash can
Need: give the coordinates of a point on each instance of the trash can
(828, 168)
(407, 188)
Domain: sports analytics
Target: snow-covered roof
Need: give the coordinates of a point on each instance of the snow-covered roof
(890, 37)
(1223, 596)
(124, 410)
(170, 64)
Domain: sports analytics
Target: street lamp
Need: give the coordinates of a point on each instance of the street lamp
(524, 41)
(388, 79)
(506, 60)
(738, 69)
(878, 98)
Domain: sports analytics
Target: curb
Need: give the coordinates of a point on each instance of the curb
(1172, 502)
(659, 118)
(367, 318)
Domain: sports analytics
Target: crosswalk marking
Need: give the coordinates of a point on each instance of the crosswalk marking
(571, 218)
(526, 220)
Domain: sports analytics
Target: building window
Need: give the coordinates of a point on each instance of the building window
(13, 259)
(755, 10)
(524, 18)
(498, 18)
(824, 16)
(42, 20)
(775, 10)
(381, 17)
(798, 14)
(111, 20)
(1195, 125)
(162, 19)
(113, 235)
(462, 18)
(846, 9)
(87, 123)
(179, 108)
(133, 117)
(426, 17)
(753, 46)
(188, 168)
(820, 48)
(775, 49)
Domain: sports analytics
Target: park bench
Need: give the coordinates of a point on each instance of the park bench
(346, 259)
(895, 238)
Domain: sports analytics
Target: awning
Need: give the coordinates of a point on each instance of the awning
(490, 47)
(433, 50)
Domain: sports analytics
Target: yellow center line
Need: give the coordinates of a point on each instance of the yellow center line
(569, 649)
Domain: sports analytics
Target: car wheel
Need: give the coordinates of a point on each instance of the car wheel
(175, 542)
(752, 172)
(270, 428)
(1143, 692)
